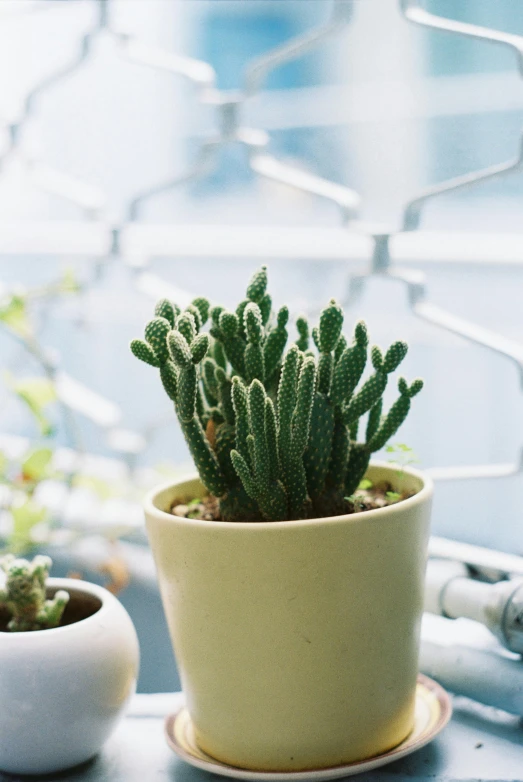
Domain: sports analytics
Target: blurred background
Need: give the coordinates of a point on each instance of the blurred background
(167, 148)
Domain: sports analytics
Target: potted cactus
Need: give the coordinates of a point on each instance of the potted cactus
(292, 590)
(68, 667)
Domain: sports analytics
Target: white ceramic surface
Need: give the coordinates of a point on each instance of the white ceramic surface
(62, 691)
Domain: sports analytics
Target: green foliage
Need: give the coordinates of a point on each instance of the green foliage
(13, 313)
(274, 434)
(24, 594)
(393, 496)
(21, 477)
(37, 393)
(25, 516)
(403, 455)
(28, 523)
(36, 464)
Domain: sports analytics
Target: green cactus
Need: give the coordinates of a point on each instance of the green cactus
(24, 594)
(274, 434)
(275, 344)
(302, 327)
(253, 357)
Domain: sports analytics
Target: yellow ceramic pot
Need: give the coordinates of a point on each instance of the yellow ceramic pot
(297, 641)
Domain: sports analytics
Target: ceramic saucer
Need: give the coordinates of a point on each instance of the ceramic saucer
(432, 712)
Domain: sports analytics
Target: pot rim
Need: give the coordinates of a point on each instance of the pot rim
(422, 496)
(69, 584)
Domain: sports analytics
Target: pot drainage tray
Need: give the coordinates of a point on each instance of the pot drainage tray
(432, 712)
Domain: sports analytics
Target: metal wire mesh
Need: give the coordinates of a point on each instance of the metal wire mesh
(115, 238)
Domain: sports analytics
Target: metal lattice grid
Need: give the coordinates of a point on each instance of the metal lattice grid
(135, 243)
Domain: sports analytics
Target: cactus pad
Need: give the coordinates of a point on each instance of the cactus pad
(274, 434)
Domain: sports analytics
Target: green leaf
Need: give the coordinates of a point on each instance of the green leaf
(34, 467)
(365, 484)
(393, 496)
(25, 517)
(38, 390)
(399, 447)
(405, 454)
(69, 283)
(13, 313)
(36, 393)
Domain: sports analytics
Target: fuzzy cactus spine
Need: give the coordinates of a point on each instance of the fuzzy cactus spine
(24, 594)
(274, 434)
(275, 344)
(253, 357)
(302, 326)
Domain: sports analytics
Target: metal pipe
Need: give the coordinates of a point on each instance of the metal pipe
(492, 564)
(451, 593)
(489, 675)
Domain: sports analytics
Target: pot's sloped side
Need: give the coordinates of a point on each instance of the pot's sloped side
(297, 642)
(62, 691)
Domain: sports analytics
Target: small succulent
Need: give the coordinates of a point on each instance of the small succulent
(24, 594)
(274, 432)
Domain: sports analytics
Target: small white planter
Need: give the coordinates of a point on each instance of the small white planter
(62, 691)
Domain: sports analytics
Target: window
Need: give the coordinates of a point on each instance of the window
(388, 119)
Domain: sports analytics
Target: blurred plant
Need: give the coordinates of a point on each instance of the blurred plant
(19, 477)
(25, 522)
(403, 456)
(37, 393)
(21, 512)
(16, 319)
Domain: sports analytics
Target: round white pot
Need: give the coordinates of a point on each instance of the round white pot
(62, 691)
(297, 641)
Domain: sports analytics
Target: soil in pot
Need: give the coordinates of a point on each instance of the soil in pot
(368, 497)
(80, 606)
